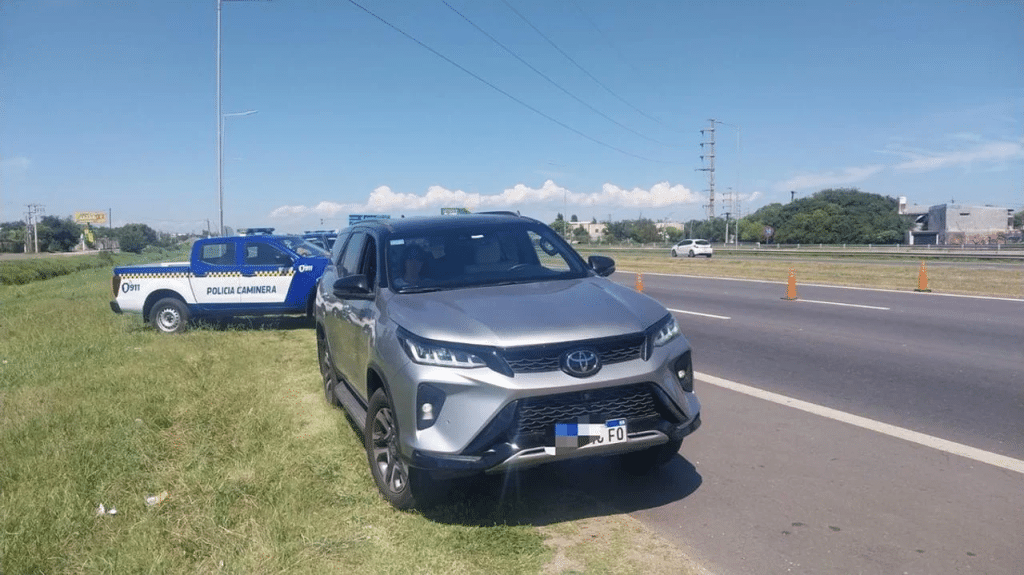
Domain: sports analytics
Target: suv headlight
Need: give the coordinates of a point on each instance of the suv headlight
(666, 333)
(436, 353)
(660, 334)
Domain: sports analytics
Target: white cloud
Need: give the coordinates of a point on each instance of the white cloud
(824, 180)
(385, 200)
(16, 165)
(985, 153)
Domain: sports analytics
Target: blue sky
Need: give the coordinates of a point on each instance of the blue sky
(586, 107)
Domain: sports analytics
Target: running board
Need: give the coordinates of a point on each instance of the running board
(351, 404)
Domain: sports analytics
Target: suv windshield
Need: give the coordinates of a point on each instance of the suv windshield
(484, 255)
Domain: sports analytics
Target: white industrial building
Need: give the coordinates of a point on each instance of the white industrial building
(957, 224)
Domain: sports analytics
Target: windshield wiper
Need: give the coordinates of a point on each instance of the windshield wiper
(418, 289)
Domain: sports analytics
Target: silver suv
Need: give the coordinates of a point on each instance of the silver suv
(484, 343)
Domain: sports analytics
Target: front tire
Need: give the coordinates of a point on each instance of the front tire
(169, 315)
(402, 486)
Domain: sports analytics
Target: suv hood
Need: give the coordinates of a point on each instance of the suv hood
(526, 314)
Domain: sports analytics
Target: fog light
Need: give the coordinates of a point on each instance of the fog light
(430, 400)
(683, 368)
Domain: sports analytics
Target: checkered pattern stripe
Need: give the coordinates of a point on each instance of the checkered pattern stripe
(161, 275)
(152, 275)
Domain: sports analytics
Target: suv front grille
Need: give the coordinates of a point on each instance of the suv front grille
(536, 416)
(539, 359)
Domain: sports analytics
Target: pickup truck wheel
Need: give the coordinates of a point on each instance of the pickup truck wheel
(645, 461)
(327, 370)
(400, 485)
(169, 315)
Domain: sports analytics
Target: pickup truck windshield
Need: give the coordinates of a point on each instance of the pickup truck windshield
(303, 247)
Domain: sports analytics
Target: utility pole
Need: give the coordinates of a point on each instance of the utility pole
(709, 154)
(34, 210)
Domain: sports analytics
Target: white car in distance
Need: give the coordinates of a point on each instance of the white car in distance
(692, 248)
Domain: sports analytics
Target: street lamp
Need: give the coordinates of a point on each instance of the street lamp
(220, 159)
(220, 127)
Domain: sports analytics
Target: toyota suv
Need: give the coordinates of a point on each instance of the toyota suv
(484, 343)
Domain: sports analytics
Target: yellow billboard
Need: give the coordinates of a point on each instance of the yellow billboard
(90, 217)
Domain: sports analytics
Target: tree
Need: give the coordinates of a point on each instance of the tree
(749, 230)
(834, 216)
(58, 235)
(136, 237)
(12, 237)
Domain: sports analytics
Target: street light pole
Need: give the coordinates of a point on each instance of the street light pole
(220, 136)
(220, 158)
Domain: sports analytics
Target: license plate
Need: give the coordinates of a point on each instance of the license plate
(582, 435)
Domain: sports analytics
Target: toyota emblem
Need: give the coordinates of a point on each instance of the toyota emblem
(581, 363)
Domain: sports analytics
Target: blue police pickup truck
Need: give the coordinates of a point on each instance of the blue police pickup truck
(257, 273)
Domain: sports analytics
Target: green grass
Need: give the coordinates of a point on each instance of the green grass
(998, 279)
(261, 475)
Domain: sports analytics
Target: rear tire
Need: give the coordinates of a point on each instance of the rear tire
(402, 486)
(169, 315)
(647, 460)
(692, 254)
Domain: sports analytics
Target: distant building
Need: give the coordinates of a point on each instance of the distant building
(594, 230)
(957, 224)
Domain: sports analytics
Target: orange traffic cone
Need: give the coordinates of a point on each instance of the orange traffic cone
(922, 279)
(639, 282)
(791, 289)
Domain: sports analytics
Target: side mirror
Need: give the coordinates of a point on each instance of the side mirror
(352, 287)
(603, 265)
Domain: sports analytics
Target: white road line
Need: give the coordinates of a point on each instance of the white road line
(700, 314)
(903, 291)
(843, 304)
(954, 448)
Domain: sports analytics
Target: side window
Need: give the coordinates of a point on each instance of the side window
(218, 254)
(339, 245)
(369, 264)
(264, 254)
(548, 254)
(351, 255)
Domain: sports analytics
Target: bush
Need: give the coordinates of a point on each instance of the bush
(21, 272)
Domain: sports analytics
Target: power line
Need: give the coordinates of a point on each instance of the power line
(546, 77)
(503, 92)
(599, 83)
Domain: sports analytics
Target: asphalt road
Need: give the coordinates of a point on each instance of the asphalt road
(764, 487)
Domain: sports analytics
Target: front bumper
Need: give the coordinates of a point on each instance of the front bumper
(504, 457)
